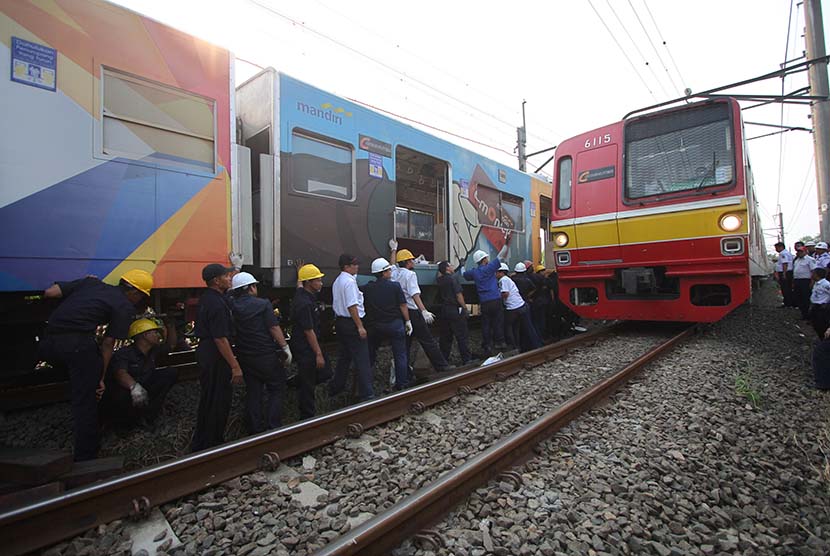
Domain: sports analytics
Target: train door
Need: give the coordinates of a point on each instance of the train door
(421, 222)
(595, 194)
(545, 246)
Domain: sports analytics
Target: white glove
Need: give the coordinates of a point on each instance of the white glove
(236, 260)
(429, 318)
(139, 395)
(393, 244)
(502, 256)
(408, 327)
(288, 357)
(461, 310)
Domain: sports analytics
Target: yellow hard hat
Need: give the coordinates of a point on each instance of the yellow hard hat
(139, 279)
(309, 272)
(539, 268)
(141, 326)
(404, 255)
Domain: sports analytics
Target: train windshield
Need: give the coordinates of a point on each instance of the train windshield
(686, 150)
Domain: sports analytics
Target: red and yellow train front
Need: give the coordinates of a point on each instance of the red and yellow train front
(650, 218)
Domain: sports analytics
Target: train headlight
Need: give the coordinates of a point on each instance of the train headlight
(730, 222)
(560, 239)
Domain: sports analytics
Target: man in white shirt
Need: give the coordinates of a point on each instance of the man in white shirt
(822, 256)
(518, 325)
(803, 266)
(348, 325)
(418, 314)
(784, 273)
(820, 302)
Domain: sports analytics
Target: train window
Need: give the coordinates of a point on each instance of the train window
(156, 124)
(679, 151)
(414, 224)
(321, 166)
(499, 209)
(565, 179)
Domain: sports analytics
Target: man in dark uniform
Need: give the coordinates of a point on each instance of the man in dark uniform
(387, 318)
(135, 388)
(523, 282)
(258, 334)
(312, 365)
(69, 342)
(218, 367)
(540, 301)
(453, 321)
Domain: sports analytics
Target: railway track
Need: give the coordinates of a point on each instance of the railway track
(415, 513)
(47, 522)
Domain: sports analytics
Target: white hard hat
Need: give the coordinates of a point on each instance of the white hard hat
(243, 280)
(520, 267)
(821, 245)
(380, 264)
(504, 267)
(478, 255)
(810, 244)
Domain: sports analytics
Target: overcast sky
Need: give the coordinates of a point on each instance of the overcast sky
(465, 67)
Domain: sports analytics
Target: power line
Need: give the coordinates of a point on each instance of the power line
(783, 84)
(662, 40)
(640, 52)
(379, 62)
(799, 207)
(643, 81)
(648, 36)
(449, 74)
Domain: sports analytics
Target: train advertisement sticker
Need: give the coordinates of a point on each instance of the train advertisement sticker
(464, 186)
(596, 174)
(375, 146)
(375, 165)
(34, 64)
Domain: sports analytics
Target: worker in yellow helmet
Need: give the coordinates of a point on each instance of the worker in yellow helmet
(313, 367)
(419, 316)
(69, 342)
(135, 387)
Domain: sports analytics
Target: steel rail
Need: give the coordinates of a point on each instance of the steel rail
(47, 522)
(428, 505)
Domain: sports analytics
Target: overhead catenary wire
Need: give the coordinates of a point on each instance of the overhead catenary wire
(624, 53)
(663, 41)
(415, 103)
(640, 52)
(783, 85)
(654, 48)
(799, 205)
(380, 63)
(452, 75)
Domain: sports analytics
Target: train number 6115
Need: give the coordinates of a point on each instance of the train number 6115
(597, 141)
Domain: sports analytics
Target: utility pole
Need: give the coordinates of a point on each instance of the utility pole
(814, 36)
(781, 226)
(521, 133)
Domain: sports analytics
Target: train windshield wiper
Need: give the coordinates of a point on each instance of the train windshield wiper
(714, 175)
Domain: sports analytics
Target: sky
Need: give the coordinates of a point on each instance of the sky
(465, 67)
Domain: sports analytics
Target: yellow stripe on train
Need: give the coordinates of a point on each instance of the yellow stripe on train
(645, 228)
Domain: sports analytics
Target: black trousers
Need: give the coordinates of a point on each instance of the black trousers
(355, 350)
(215, 396)
(264, 386)
(538, 310)
(521, 332)
(80, 355)
(492, 324)
(785, 280)
(820, 319)
(454, 325)
(801, 292)
(117, 405)
(420, 330)
(306, 382)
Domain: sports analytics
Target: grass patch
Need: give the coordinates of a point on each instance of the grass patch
(748, 387)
